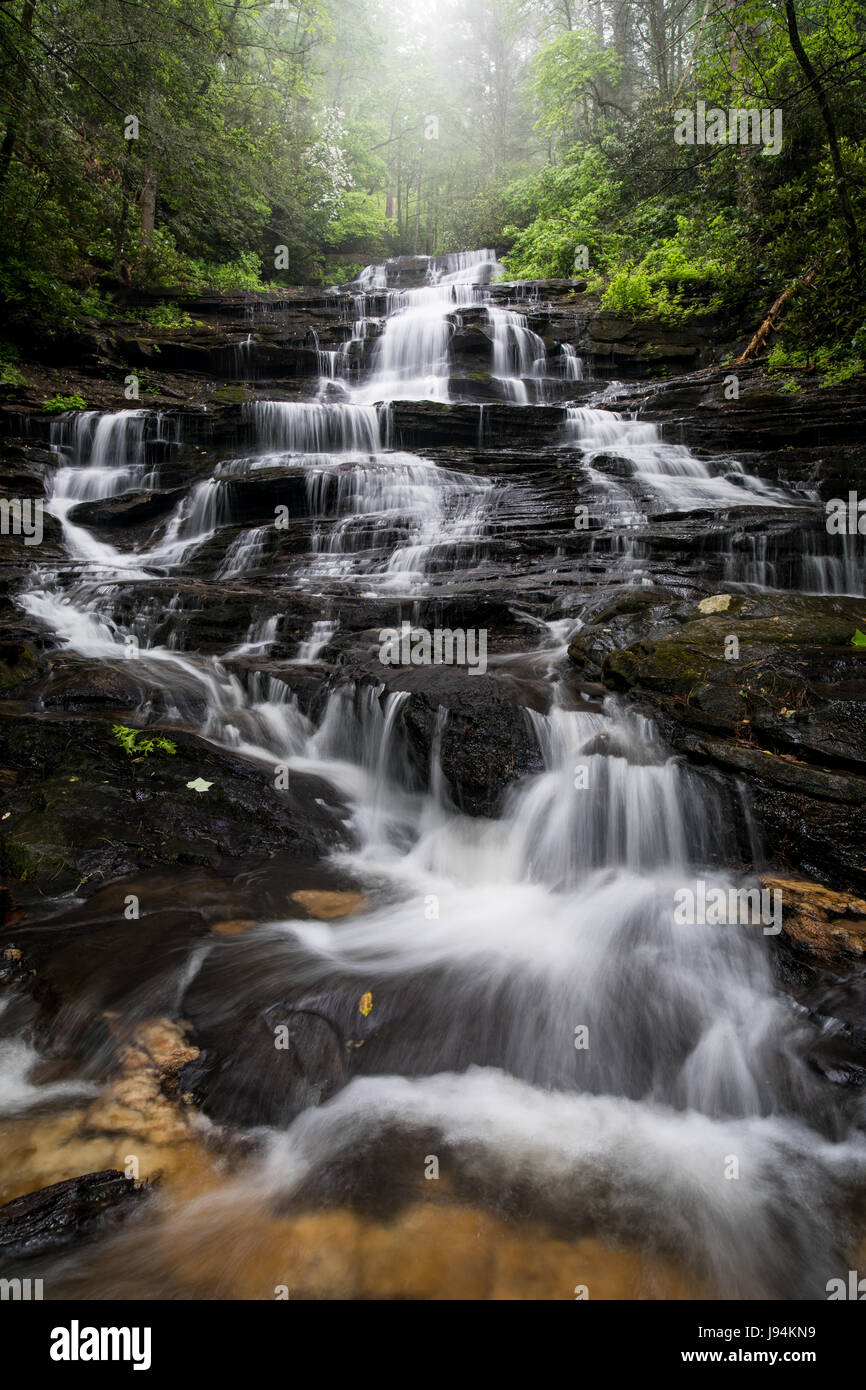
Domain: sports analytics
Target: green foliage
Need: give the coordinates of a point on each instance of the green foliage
(10, 375)
(489, 216)
(576, 206)
(167, 316)
(137, 747)
(695, 273)
(359, 221)
(630, 294)
(833, 364)
(565, 72)
(342, 274)
(260, 127)
(57, 404)
(245, 273)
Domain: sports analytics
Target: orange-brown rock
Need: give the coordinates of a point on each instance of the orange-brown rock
(830, 925)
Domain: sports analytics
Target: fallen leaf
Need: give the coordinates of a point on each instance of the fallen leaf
(365, 1004)
(199, 785)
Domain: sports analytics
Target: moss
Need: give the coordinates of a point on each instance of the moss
(17, 663)
(620, 670)
(230, 395)
(35, 849)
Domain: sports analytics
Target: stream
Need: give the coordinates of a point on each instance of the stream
(492, 1031)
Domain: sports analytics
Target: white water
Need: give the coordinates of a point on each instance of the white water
(556, 915)
(668, 471)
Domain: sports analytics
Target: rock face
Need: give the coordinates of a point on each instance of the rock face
(269, 1068)
(771, 687)
(65, 1214)
(480, 727)
(68, 822)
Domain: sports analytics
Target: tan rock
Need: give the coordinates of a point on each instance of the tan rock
(830, 925)
(327, 906)
(431, 1250)
(234, 927)
(716, 603)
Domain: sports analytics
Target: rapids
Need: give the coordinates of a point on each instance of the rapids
(549, 1030)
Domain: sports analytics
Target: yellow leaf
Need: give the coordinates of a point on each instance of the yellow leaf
(365, 1005)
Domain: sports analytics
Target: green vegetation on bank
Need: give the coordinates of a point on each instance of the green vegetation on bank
(182, 146)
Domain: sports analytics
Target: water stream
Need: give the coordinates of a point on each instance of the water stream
(494, 943)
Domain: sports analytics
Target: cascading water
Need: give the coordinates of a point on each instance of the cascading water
(555, 916)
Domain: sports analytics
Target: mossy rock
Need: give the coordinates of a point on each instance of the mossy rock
(230, 395)
(36, 849)
(18, 663)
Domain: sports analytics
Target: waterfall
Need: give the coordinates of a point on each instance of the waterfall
(244, 553)
(518, 353)
(411, 357)
(311, 427)
(669, 473)
(572, 365)
(556, 913)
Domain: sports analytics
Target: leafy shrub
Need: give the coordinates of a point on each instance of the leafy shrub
(167, 316)
(243, 274)
(57, 404)
(10, 375)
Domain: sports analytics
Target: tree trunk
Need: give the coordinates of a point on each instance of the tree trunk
(771, 322)
(830, 126)
(147, 203)
(10, 138)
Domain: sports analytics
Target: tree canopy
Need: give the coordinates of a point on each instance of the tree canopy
(237, 143)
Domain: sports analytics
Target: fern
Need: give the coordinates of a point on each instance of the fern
(141, 747)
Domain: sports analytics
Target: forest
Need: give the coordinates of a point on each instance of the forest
(236, 144)
(433, 671)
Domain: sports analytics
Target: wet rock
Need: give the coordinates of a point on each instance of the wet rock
(486, 741)
(44, 1222)
(647, 345)
(830, 926)
(269, 1068)
(612, 465)
(18, 663)
(431, 422)
(127, 510)
(328, 905)
(786, 707)
(84, 812)
(142, 1099)
(235, 926)
(815, 417)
